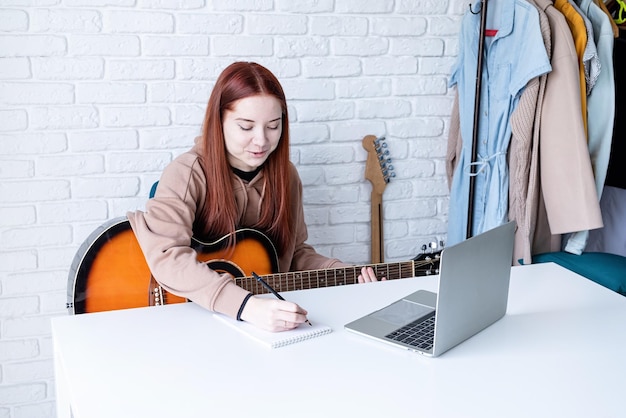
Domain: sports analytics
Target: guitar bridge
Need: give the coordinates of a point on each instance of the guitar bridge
(155, 293)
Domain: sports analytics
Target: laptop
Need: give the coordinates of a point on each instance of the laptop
(472, 294)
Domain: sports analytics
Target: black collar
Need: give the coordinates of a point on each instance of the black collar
(246, 175)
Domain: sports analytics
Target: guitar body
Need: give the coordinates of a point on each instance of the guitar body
(109, 270)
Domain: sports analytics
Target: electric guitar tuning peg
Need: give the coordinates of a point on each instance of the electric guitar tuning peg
(380, 142)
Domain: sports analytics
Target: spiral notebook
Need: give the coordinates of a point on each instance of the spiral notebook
(276, 339)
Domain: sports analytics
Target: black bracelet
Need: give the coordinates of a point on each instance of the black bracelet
(243, 305)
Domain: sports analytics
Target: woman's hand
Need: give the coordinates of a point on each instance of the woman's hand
(367, 275)
(273, 314)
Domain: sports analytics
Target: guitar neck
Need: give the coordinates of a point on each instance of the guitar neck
(311, 279)
(378, 170)
(377, 241)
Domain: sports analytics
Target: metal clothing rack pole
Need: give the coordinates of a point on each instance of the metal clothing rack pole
(479, 72)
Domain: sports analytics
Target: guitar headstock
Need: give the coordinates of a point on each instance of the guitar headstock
(427, 262)
(378, 168)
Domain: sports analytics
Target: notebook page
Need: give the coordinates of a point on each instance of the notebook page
(276, 339)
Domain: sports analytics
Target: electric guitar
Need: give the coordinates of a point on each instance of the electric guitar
(379, 171)
(109, 270)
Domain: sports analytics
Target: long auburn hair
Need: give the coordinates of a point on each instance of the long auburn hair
(219, 215)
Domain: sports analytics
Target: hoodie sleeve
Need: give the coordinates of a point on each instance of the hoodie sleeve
(164, 234)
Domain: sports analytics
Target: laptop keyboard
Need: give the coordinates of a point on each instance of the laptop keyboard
(419, 333)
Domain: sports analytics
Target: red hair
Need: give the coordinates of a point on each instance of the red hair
(219, 215)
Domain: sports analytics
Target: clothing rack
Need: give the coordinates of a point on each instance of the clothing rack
(479, 72)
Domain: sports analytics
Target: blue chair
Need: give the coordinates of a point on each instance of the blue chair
(608, 270)
(153, 189)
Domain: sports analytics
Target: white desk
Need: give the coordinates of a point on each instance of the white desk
(559, 352)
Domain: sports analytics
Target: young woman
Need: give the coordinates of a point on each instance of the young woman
(237, 175)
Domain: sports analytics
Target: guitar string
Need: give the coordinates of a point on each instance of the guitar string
(303, 279)
(299, 280)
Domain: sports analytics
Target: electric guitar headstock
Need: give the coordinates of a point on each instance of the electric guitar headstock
(378, 168)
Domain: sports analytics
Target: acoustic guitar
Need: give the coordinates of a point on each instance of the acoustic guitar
(379, 171)
(109, 270)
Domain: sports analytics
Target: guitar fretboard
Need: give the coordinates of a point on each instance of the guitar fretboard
(311, 279)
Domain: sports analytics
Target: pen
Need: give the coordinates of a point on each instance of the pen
(275, 293)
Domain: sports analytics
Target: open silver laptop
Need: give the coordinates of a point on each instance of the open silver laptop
(473, 294)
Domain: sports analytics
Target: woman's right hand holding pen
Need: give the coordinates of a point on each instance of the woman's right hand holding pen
(273, 314)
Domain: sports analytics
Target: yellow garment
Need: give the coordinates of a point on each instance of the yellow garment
(579, 33)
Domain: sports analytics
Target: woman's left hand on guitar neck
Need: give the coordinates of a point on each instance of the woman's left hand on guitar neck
(367, 275)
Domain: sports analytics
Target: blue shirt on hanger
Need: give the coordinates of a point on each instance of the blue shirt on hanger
(512, 57)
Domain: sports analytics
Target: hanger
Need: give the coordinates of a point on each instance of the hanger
(620, 19)
(617, 11)
(619, 16)
(487, 32)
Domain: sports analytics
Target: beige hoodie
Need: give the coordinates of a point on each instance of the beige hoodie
(165, 229)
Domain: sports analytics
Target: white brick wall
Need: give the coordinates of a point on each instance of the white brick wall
(97, 96)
